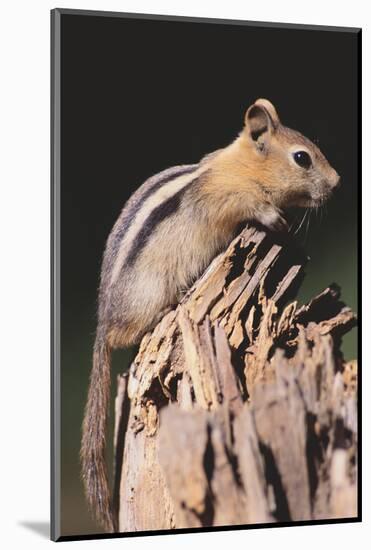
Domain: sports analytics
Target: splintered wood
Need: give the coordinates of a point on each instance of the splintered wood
(239, 407)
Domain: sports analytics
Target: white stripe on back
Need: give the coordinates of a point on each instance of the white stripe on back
(153, 201)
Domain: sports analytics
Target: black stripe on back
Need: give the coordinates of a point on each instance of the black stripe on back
(137, 204)
(160, 213)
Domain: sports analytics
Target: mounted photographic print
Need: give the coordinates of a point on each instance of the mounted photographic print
(205, 207)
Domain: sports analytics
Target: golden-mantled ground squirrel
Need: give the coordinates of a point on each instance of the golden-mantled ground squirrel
(167, 234)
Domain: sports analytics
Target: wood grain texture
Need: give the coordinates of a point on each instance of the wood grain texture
(239, 407)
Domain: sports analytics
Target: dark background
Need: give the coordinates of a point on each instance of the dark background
(139, 96)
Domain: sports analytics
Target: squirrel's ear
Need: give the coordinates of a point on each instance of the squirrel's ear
(261, 119)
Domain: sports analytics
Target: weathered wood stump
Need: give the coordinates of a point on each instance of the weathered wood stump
(239, 407)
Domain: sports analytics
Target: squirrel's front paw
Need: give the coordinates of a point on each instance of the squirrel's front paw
(274, 221)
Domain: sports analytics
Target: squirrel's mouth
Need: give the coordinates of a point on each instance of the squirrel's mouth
(322, 194)
(322, 198)
(313, 200)
(301, 199)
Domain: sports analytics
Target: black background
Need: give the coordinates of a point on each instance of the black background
(139, 96)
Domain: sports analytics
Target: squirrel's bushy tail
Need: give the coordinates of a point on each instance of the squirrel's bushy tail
(93, 445)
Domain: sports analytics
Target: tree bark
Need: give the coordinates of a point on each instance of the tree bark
(239, 407)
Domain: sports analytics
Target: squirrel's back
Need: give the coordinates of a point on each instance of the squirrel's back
(142, 276)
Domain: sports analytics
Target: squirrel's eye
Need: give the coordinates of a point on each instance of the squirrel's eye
(302, 159)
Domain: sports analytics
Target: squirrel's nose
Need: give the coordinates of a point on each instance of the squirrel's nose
(334, 179)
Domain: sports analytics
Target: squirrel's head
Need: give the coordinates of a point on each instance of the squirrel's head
(291, 168)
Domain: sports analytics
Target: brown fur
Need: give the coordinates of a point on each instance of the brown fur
(94, 436)
(253, 179)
